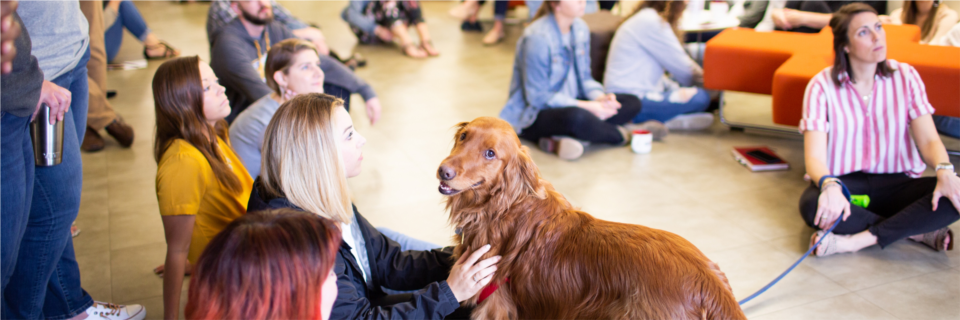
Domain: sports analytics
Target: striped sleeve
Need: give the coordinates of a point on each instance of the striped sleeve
(815, 106)
(918, 104)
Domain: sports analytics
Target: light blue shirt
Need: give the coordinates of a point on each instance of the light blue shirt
(642, 50)
(247, 130)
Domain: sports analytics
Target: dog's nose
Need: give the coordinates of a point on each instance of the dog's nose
(446, 173)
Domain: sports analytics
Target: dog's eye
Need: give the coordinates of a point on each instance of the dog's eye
(463, 136)
(489, 154)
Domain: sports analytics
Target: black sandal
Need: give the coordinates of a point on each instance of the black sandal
(168, 52)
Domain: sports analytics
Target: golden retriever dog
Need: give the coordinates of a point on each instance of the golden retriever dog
(559, 262)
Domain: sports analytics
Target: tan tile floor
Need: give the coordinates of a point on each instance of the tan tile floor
(747, 222)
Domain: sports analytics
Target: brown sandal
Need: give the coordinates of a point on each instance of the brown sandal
(828, 244)
(168, 52)
(934, 239)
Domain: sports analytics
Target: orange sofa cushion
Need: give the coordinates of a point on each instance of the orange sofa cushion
(782, 63)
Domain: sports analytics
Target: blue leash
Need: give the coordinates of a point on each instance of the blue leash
(814, 247)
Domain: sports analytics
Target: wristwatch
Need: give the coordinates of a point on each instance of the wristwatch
(945, 166)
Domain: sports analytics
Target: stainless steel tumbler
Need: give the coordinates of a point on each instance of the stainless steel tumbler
(47, 139)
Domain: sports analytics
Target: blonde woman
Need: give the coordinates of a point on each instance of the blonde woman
(309, 150)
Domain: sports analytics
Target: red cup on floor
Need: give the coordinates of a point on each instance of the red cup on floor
(641, 142)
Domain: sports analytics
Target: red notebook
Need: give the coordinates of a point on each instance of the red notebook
(759, 158)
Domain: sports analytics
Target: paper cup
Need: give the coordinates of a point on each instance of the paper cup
(642, 141)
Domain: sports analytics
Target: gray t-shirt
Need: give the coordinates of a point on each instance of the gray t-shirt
(59, 32)
(247, 130)
(643, 48)
(21, 88)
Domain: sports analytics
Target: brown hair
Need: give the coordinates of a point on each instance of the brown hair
(840, 23)
(265, 265)
(669, 10)
(281, 56)
(301, 157)
(910, 13)
(178, 101)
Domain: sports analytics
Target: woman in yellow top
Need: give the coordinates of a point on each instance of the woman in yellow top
(201, 184)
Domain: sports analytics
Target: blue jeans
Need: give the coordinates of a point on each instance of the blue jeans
(17, 187)
(46, 282)
(661, 109)
(406, 242)
(127, 17)
(949, 126)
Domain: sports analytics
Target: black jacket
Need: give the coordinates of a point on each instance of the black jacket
(425, 271)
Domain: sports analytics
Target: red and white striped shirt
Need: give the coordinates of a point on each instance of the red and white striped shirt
(872, 136)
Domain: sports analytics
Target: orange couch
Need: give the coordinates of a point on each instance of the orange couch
(782, 63)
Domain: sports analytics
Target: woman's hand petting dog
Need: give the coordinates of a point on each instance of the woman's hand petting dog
(468, 276)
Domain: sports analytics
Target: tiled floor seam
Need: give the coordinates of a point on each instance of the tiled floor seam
(878, 306)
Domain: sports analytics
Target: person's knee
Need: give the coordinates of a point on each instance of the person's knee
(809, 201)
(577, 118)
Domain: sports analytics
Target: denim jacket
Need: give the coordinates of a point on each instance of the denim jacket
(540, 68)
(353, 15)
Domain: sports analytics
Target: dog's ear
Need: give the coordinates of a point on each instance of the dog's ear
(522, 175)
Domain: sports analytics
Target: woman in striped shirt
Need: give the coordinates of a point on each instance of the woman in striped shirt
(867, 130)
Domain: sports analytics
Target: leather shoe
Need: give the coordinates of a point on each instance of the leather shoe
(121, 131)
(92, 141)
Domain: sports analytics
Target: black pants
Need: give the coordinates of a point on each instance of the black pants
(899, 207)
(406, 11)
(581, 124)
(608, 5)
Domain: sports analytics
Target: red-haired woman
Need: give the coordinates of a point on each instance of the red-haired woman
(201, 184)
(275, 264)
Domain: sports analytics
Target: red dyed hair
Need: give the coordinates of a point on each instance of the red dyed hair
(265, 265)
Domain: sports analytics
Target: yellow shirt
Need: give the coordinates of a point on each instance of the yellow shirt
(186, 185)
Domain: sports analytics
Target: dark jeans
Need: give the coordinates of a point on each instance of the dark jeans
(949, 126)
(581, 124)
(608, 5)
(499, 9)
(127, 17)
(663, 110)
(46, 280)
(899, 207)
(17, 188)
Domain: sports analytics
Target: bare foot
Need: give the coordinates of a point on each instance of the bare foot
(493, 37)
(465, 9)
(429, 48)
(159, 270)
(414, 51)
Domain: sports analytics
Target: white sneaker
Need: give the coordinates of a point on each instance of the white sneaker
(691, 121)
(103, 310)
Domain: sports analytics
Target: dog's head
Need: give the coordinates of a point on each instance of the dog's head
(487, 157)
